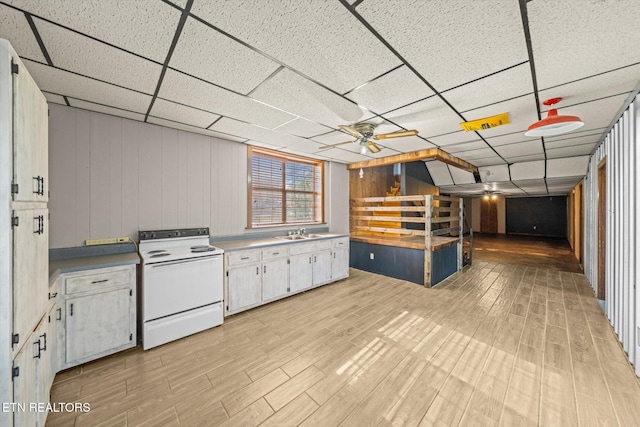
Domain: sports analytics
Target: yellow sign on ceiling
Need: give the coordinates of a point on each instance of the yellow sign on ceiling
(486, 123)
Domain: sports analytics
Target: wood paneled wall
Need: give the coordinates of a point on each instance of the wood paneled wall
(377, 181)
(111, 177)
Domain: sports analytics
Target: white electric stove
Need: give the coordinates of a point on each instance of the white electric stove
(182, 280)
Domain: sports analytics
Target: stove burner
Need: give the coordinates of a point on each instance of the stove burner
(197, 249)
(157, 251)
(200, 247)
(160, 254)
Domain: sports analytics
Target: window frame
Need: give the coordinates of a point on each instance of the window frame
(284, 157)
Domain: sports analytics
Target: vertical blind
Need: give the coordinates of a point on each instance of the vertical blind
(284, 189)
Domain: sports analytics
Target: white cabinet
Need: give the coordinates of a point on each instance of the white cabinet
(99, 312)
(30, 139)
(301, 272)
(244, 287)
(24, 383)
(255, 277)
(321, 267)
(340, 259)
(275, 273)
(31, 271)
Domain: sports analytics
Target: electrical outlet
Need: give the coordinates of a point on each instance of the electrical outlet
(123, 239)
(371, 256)
(109, 241)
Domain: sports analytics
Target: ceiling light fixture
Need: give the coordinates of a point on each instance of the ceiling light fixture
(554, 124)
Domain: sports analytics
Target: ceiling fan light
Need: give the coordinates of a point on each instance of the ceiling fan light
(363, 149)
(554, 124)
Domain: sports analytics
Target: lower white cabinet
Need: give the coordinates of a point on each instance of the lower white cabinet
(244, 287)
(301, 272)
(25, 386)
(98, 312)
(255, 277)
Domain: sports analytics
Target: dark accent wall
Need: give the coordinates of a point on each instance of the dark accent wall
(540, 216)
(401, 263)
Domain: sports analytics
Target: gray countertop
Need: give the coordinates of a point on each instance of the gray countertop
(235, 245)
(70, 265)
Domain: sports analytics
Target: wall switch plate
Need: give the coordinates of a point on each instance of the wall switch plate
(371, 256)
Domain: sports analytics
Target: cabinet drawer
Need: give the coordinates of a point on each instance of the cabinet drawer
(242, 257)
(275, 252)
(92, 282)
(341, 242)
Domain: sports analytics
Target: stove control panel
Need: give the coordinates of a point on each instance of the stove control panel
(175, 233)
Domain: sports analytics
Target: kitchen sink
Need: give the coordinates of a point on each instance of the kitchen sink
(294, 237)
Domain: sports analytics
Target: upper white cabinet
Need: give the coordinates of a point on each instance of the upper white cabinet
(30, 138)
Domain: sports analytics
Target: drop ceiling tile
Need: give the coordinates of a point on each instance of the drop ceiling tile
(488, 161)
(461, 176)
(500, 86)
(407, 145)
(263, 145)
(304, 154)
(80, 54)
(576, 134)
(567, 166)
(53, 98)
(321, 39)
(194, 129)
(522, 112)
(510, 138)
(572, 181)
(595, 114)
(527, 170)
(503, 187)
(466, 146)
(344, 156)
(145, 27)
(65, 83)
(439, 173)
(396, 89)
(186, 90)
(228, 63)
(297, 95)
(334, 137)
(180, 3)
(520, 149)
(593, 37)
(530, 184)
(596, 87)
(15, 28)
(181, 113)
(430, 117)
(307, 146)
(454, 138)
(385, 152)
(571, 141)
(528, 158)
(494, 173)
(249, 131)
(455, 33)
(302, 127)
(106, 110)
(471, 155)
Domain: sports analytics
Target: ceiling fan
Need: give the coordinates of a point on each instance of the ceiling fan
(363, 132)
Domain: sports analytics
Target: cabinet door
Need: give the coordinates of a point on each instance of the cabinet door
(31, 271)
(45, 360)
(244, 286)
(97, 323)
(301, 272)
(24, 385)
(30, 139)
(340, 264)
(321, 267)
(275, 278)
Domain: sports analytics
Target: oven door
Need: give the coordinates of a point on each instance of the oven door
(176, 286)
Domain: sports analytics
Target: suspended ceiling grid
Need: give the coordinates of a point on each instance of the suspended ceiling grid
(285, 74)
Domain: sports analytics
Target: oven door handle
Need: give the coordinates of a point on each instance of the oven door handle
(186, 261)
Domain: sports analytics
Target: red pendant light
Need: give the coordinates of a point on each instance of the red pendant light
(554, 124)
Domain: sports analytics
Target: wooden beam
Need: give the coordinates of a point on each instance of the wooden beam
(418, 220)
(431, 153)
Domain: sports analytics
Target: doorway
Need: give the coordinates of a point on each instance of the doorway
(489, 216)
(602, 227)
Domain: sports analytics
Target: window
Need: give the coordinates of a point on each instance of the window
(284, 189)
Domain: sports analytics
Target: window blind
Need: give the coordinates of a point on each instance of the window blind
(284, 189)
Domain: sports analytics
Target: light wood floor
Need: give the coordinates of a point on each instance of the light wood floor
(500, 344)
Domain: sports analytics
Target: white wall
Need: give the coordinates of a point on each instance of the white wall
(111, 177)
(622, 302)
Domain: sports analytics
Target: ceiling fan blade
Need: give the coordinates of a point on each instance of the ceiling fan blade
(335, 145)
(396, 134)
(351, 131)
(373, 147)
